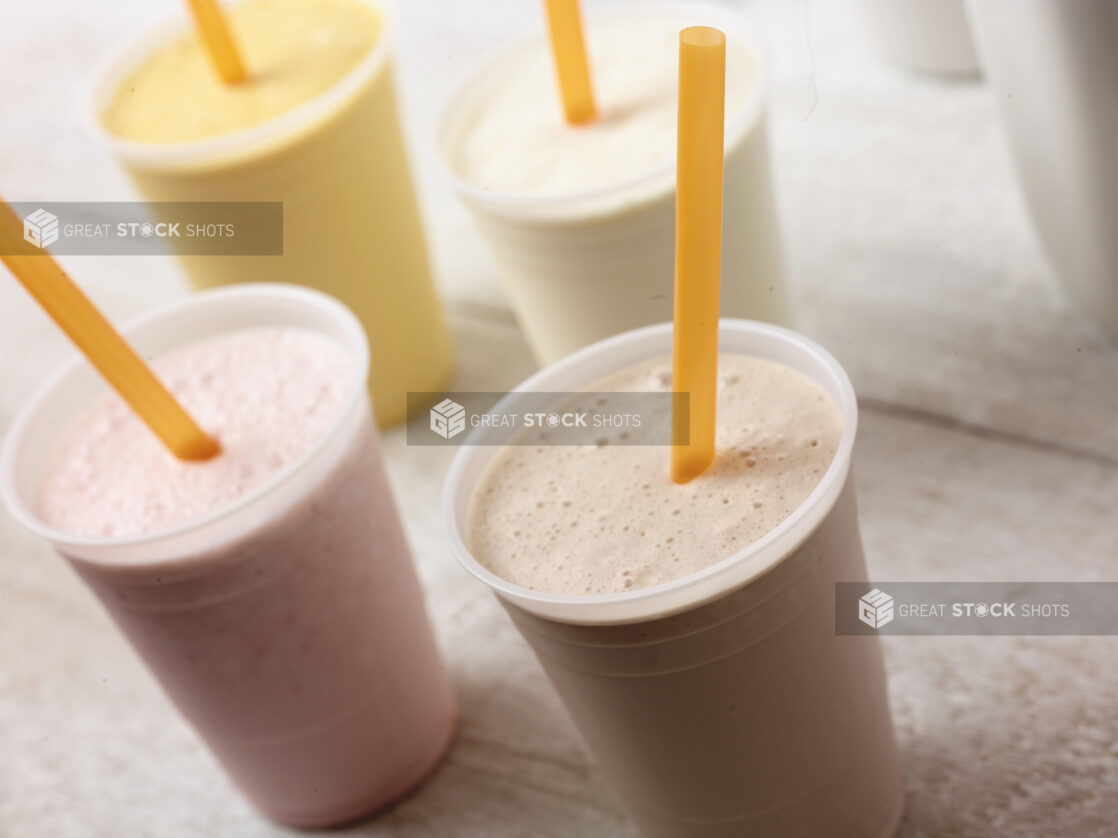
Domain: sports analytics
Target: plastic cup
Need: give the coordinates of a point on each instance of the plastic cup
(288, 629)
(351, 223)
(925, 36)
(723, 703)
(584, 265)
(1052, 66)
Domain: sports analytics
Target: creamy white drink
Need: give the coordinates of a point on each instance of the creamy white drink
(581, 219)
(519, 143)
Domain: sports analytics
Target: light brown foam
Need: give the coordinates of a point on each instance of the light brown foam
(607, 519)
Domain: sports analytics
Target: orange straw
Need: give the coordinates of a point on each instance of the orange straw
(216, 35)
(698, 246)
(569, 51)
(45, 280)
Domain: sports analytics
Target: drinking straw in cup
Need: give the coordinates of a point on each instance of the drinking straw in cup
(45, 280)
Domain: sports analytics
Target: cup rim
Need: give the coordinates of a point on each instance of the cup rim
(511, 202)
(696, 588)
(113, 67)
(193, 305)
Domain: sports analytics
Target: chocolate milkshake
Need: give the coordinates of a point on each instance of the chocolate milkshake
(689, 629)
(562, 507)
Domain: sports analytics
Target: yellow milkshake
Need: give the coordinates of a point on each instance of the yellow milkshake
(315, 127)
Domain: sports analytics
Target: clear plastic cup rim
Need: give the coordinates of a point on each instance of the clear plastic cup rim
(705, 585)
(193, 306)
(115, 67)
(511, 203)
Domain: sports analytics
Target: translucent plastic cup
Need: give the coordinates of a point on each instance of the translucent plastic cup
(584, 265)
(351, 222)
(926, 36)
(722, 704)
(1052, 68)
(290, 628)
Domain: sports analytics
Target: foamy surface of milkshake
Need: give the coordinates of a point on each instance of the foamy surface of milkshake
(516, 140)
(267, 394)
(294, 50)
(608, 519)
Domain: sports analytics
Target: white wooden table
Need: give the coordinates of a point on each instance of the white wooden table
(986, 451)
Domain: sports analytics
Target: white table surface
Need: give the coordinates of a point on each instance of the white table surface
(986, 451)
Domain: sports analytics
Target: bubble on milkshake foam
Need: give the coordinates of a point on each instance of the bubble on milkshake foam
(602, 511)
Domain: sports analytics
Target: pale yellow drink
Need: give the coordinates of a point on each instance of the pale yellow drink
(315, 127)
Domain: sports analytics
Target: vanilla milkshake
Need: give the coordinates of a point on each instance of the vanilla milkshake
(689, 629)
(269, 589)
(314, 126)
(580, 218)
